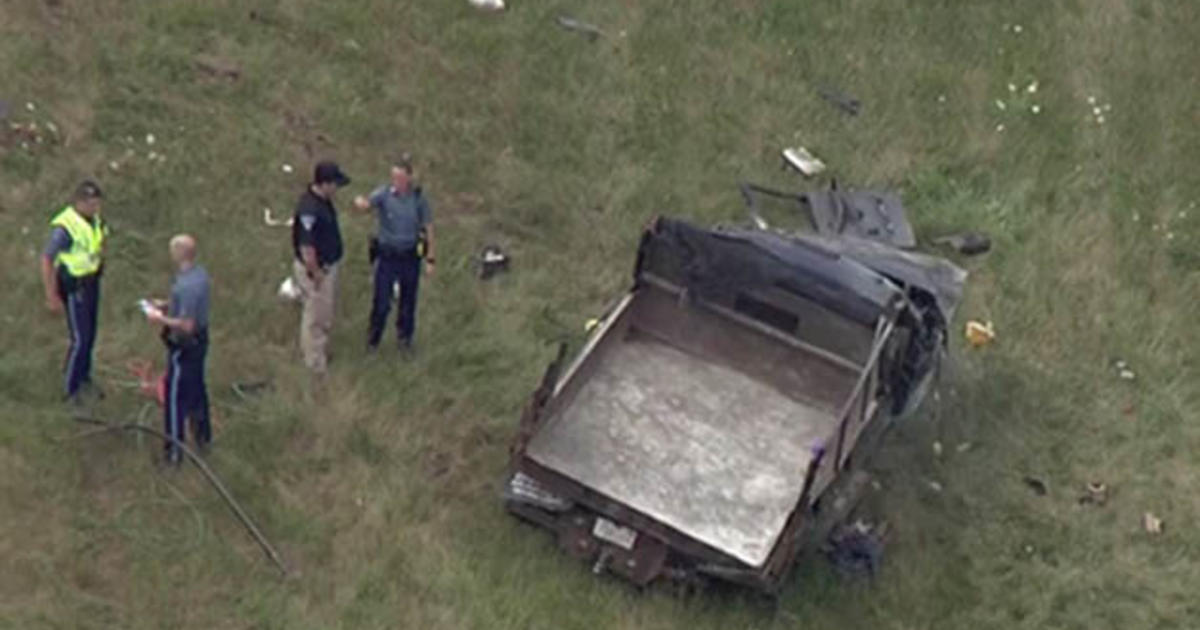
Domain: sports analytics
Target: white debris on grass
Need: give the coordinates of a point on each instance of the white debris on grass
(1017, 29)
(150, 139)
(53, 128)
(31, 107)
(1096, 111)
(1170, 236)
(1091, 100)
(941, 98)
(1127, 375)
(113, 165)
(1035, 108)
(1012, 87)
(1000, 105)
(1033, 88)
(1100, 120)
(935, 486)
(1000, 128)
(286, 168)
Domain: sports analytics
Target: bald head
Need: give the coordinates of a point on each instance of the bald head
(183, 249)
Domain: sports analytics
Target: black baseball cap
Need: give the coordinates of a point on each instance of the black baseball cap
(88, 189)
(327, 172)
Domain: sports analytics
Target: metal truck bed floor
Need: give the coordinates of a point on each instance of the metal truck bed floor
(700, 447)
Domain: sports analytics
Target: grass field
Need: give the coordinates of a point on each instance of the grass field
(384, 494)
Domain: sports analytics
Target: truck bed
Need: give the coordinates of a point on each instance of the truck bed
(701, 447)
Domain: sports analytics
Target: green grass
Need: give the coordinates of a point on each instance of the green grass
(384, 495)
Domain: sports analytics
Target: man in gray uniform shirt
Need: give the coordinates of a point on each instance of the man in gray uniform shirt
(185, 332)
(404, 243)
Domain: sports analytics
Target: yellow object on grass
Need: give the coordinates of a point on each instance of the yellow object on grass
(980, 334)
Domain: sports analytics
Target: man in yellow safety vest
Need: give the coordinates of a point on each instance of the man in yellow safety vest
(72, 263)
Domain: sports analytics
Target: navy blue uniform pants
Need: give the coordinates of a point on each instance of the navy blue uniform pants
(391, 268)
(187, 395)
(81, 302)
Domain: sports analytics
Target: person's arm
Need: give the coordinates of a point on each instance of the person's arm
(50, 284)
(60, 241)
(427, 225)
(186, 325)
(306, 224)
(370, 201)
(311, 264)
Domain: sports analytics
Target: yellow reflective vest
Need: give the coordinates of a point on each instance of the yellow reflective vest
(87, 242)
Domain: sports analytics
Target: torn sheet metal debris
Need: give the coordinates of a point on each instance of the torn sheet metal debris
(571, 24)
(840, 99)
(802, 160)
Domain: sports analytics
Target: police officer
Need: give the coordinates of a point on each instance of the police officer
(404, 239)
(72, 264)
(185, 332)
(317, 243)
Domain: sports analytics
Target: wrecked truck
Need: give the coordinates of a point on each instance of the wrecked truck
(695, 435)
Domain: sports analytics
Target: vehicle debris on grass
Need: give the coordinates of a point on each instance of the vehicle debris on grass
(843, 101)
(491, 261)
(856, 549)
(980, 334)
(1095, 493)
(1037, 485)
(1152, 524)
(218, 66)
(487, 5)
(802, 160)
(968, 243)
(591, 31)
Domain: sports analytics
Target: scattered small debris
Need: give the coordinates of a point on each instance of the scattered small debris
(30, 107)
(935, 486)
(217, 66)
(1032, 88)
(492, 260)
(571, 24)
(937, 449)
(489, 5)
(1037, 485)
(1029, 549)
(969, 243)
(1000, 105)
(980, 334)
(875, 485)
(289, 291)
(1000, 128)
(248, 389)
(1152, 524)
(1017, 29)
(150, 139)
(941, 98)
(841, 100)
(1091, 100)
(1127, 375)
(804, 161)
(964, 447)
(1035, 108)
(1096, 493)
(856, 549)
(273, 222)
(286, 168)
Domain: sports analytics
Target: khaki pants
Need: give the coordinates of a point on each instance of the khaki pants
(317, 320)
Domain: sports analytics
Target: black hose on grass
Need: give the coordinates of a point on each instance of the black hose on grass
(107, 427)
